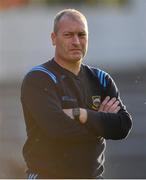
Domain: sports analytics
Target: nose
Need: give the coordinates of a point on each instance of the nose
(76, 39)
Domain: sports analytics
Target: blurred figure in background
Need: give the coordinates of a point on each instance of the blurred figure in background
(70, 108)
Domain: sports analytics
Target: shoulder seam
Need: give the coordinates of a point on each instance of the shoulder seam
(48, 72)
(102, 77)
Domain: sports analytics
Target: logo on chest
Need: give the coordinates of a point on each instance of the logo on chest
(96, 100)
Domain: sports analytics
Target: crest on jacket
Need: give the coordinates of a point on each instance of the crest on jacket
(96, 100)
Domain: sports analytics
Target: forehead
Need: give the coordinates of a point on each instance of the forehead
(72, 24)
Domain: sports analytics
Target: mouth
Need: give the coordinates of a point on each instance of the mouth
(75, 50)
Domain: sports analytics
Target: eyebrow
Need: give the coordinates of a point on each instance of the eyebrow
(72, 32)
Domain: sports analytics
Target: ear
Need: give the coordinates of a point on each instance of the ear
(53, 37)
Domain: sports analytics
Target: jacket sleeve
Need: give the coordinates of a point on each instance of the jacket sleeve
(110, 125)
(40, 100)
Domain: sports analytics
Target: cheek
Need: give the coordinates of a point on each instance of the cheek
(62, 48)
(84, 42)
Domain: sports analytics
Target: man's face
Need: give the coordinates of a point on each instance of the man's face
(71, 40)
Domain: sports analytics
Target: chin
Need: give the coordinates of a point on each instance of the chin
(76, 60)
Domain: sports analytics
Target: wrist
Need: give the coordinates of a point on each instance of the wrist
(76, 113)
(80, 114)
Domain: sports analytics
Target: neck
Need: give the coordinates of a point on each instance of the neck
(73, 67)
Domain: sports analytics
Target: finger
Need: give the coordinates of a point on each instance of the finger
(68, 112)
(110, 104)
(100, 108)
(105, 101)
(113, 106)
(117, 109)
(65, 111)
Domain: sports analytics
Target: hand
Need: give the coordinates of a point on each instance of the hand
(109, 105)
(68, 112)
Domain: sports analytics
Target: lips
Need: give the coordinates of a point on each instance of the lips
(75, 50)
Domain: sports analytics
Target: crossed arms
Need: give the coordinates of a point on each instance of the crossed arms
(42, 107)
(109, 105)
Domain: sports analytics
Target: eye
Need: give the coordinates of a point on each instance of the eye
(67, 35)
(82, 34)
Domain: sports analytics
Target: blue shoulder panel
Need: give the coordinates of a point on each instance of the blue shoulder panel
(102, 77)
(42, 69)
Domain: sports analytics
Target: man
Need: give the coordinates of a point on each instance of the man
(70, 108)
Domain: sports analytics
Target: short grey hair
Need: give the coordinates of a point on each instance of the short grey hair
(71, 13)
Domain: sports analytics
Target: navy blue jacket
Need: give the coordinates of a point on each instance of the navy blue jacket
(56, 145)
